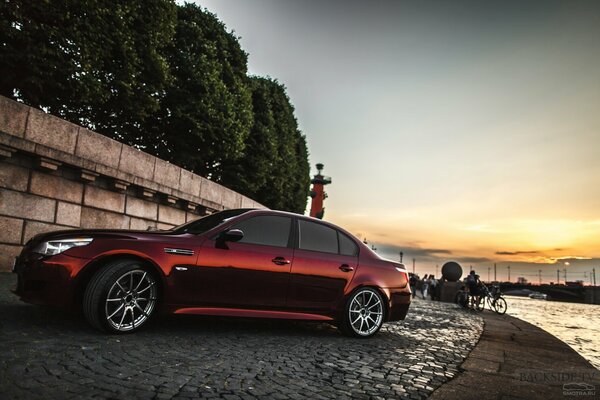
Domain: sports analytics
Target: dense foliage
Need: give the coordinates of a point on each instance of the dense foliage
(98, 63)
(168, 79)
(275, 151)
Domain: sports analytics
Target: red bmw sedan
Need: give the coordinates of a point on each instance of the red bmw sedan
(246, 263)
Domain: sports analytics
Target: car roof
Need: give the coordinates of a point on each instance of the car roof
(266, 211)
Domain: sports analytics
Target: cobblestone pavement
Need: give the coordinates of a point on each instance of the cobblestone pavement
(48, 354)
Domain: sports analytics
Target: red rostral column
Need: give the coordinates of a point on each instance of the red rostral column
(318, 193)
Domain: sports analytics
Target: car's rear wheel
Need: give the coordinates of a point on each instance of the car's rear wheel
(120, 297)
(364, 313)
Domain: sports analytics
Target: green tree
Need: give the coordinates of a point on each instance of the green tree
(249, 173)
(167, 79)
(206, 114)
(301, 183)
(98, 63)
(274, 167)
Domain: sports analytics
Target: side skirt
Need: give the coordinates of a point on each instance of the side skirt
(239, 312)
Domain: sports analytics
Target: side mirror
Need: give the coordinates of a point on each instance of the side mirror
(232, 235)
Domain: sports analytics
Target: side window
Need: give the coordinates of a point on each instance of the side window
(268, 230)
(347, 246)
(317, 237)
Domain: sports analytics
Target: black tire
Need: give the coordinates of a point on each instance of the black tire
(462, 299)
(480, 303)
(500, 306)
(367, 299)
(118, 279)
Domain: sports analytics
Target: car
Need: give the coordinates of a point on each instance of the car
(241, 262)
(538, 296)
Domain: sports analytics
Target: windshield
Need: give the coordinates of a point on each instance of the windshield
(210, 221)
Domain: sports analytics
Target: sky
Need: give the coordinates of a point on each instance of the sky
(452, 130)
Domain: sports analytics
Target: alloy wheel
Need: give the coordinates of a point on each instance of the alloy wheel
(365, 312)
(130, 300)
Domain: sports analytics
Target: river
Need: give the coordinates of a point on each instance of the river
(576, 324)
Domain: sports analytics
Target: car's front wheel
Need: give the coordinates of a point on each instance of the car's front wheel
(120, 297)
(364, 313)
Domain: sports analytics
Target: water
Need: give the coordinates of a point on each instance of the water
(576, 324)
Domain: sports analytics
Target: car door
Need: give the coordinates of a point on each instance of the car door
(251, 273)
(325, 261)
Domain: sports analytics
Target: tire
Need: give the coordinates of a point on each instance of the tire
(364, 313)
(480, 304)
(121, 297)
(491, 303)
(500, 306)
(462, 299)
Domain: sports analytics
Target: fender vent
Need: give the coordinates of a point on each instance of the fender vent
(181, 252)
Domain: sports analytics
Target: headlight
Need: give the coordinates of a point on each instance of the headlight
(53, 247)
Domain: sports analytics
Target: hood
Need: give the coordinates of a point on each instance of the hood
(97, 233)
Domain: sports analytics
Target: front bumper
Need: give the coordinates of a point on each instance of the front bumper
(47, 280)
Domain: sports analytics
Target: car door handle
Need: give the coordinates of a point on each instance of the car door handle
(280, 261)
(346, 268)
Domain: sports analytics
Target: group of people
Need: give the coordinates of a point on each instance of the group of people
(428, 286)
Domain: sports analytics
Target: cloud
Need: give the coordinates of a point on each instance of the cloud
(514, 253)
(422, 255)
(473, 260)
(412, 252)
(570, 258)
(540, 256)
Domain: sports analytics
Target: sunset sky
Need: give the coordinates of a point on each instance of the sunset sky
(462, 130)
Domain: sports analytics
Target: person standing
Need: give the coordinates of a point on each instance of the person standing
(433, 283)
(413, 284)
(425, 286)
(473, 284)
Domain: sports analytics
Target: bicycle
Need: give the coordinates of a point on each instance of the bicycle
(493, 298)
(464, 299)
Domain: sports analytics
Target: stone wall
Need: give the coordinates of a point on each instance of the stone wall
(57, 175)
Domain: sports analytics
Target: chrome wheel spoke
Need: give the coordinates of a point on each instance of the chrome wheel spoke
(121, 287)
(122, 319)
(140, 282)
(369, 302)
(116, 311)
(119, 299)
(374, 322)
(143, 290)
(145, 299)
(132, 318)
(141, 310)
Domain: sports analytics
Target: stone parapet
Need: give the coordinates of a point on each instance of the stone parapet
(57, 175)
